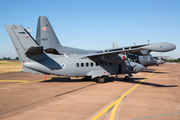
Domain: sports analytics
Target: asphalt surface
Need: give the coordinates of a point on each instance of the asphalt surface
(152, 94)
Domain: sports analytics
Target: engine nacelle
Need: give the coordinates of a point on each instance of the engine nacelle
(131, 67)
(118, 59)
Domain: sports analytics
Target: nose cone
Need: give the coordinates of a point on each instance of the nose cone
(160, 61)
(139, 68)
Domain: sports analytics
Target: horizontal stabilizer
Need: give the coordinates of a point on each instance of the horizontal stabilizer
(52, 51)
(34, 50)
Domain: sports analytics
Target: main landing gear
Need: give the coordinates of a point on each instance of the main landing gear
(127, 77)
(101, 79)
(98, 79)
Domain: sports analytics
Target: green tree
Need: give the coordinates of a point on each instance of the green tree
(4, 58)
(178, 60)
(17, 58)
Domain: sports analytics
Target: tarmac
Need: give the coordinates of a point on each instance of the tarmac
(153, 94)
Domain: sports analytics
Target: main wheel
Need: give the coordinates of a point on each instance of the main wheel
(126, 78)
(101, 80)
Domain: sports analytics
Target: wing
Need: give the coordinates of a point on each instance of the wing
(156, 47)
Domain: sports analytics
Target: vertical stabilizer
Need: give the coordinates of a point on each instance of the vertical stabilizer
(26, 47)
(115, 45)
(45, 35)
(21, 40)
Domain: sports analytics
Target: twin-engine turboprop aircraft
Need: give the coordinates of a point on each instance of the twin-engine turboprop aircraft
(89, 64)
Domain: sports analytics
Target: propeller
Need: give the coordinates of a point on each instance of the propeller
(125, 59)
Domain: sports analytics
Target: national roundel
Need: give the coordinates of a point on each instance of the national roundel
(63, 65)
(44, 28)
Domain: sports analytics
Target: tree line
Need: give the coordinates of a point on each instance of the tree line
(173, 60)
(8, 58)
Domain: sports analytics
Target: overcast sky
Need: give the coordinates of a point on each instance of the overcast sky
(96, 24)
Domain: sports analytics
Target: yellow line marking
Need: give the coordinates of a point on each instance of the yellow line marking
(118, 101)
(13, 80)
(23, 82)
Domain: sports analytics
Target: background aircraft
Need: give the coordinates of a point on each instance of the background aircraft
(46, 37)
(143, 57)
(160, 59)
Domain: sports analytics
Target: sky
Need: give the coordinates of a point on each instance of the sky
(96, 24)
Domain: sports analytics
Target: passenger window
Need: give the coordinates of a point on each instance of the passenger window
(102, 64)
(97, 64)
(92, 64)
(87, 64)
(77, 64)
(82, 64)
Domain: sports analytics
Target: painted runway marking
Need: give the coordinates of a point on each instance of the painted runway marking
(156, 116)
(19, 83)
(118, 101)
(13, 80)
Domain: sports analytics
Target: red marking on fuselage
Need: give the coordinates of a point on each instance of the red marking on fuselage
(123, 58)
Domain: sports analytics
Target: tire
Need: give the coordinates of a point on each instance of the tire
(126, 78)
(101, 80)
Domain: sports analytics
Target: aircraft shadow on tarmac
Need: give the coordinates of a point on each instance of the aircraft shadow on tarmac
(60, 79)
(157, 72)
(109, 79)
(137, 80)
(152, 70)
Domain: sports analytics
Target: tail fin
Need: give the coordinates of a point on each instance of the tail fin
(115, 45)
(45, 34)
(26, 47)
(21, 40)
